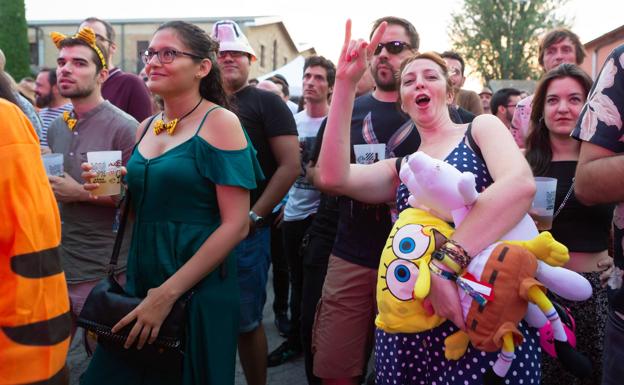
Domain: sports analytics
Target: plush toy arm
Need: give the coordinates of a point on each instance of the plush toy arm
(546, 249)
(563, 282)
(455, 345)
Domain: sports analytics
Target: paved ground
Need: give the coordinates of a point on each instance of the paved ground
(291, 373)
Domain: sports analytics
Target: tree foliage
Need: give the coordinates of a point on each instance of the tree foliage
(14, 37)
(499, 38)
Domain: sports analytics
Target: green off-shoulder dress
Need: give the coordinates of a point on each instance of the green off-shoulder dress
(175, 203)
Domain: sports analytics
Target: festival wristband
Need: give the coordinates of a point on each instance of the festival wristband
(442, 273)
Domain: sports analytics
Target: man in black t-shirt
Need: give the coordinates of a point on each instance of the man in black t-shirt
(343, 330)
(272, 131)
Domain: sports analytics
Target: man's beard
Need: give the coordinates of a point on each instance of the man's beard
(385, 84)
(42, 101)
(77, 93)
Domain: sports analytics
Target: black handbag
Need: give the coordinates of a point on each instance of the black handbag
(108, 303)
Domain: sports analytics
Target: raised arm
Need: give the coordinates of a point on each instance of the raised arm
(335, 174)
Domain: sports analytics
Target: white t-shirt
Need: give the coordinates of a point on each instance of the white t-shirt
(303, 197)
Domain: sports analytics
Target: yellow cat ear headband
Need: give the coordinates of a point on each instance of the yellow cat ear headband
(85, 34)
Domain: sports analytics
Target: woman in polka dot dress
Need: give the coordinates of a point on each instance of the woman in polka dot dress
(503, 178)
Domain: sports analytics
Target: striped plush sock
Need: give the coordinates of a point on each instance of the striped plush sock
(501, 366)
(556, 325)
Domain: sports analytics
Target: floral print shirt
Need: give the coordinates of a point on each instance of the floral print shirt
(600, 123)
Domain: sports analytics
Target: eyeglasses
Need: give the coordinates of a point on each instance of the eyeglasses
(233, 54)
(511, 105)
(102, 38)
(165, 56)
(393, 47)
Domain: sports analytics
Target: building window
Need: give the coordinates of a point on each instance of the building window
(141, 47)
(34, 53)
(274, 55)
(262, 55)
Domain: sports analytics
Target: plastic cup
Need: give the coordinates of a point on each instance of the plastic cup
(543, 206)
(53, 164)
(369, 153)
(107, 166)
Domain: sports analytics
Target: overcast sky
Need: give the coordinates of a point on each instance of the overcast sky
(321, 22)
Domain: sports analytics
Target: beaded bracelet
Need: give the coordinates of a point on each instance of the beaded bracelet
(445, 258)
(456, 253)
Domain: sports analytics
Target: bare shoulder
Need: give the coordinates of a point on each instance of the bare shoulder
(486, 125)
(223, 130)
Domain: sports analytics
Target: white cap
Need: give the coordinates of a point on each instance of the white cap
(231, 38)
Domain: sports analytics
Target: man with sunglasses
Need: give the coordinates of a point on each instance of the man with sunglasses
(125, 90)
(273, 133)
(343, 329)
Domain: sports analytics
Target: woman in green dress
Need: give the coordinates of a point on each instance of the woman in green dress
(189, 176)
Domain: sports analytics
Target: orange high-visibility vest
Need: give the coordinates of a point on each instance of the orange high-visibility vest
(35, 321)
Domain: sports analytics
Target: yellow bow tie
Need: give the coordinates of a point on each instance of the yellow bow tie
(161, 126)
(71, 122)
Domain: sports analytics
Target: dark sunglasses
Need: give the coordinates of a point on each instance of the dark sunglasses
(393, 47)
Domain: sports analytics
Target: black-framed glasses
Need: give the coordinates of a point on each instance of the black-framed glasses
(165, 55)
(102, 38)
(393, 47)
(233, 54)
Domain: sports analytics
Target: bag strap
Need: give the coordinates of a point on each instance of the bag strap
(120, 232)
(473, 144)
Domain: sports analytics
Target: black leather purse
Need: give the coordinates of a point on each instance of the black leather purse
(108, 303)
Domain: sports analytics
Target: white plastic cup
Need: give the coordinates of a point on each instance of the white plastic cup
(107, 166)
(53, 164)
(369, 153)
(543, 206)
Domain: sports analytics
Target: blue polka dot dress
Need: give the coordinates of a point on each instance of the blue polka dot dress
(418, 358)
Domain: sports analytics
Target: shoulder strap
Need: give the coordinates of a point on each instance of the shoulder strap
(398, 163)
(204, 118)
(146, 128)
(125, 210)
(473, 144)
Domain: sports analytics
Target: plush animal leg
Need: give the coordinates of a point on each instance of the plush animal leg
(534, 316)
(546, 248)
(563, 282)
(496, 374)
(572, 361)
(455, 345)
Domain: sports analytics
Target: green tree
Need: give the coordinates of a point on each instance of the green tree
(499, 38)
(14, 38)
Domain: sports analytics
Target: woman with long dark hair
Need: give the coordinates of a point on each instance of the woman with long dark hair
(189, 177)
(551, 152)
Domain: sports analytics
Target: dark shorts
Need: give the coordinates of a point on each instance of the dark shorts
(613, 358)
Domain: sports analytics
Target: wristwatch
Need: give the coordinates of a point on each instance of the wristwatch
(257, 220)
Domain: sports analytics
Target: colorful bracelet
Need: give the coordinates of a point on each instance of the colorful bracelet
(456, 253)
(444, 258)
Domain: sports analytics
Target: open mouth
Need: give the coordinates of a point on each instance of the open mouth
(422, 100)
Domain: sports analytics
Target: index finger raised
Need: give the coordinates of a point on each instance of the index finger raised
(376, 37)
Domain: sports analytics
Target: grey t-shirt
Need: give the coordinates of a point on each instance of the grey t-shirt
(88, 236)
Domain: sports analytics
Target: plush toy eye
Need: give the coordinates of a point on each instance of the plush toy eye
(410, 242)
(401, 278)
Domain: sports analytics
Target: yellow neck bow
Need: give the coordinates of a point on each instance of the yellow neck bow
(86, 35)
(161, 126)
(71, 122)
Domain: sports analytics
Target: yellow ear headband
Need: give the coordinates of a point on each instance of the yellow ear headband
(85, 34)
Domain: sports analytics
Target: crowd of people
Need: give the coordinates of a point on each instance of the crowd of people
(226, 177)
